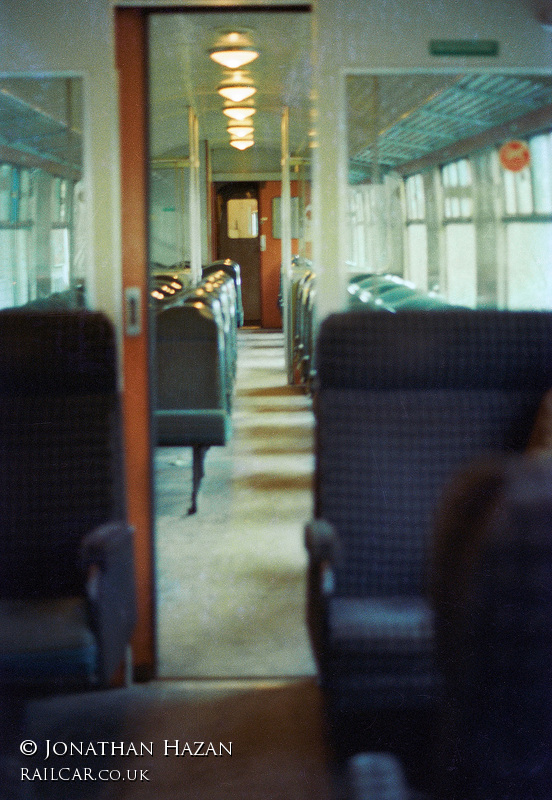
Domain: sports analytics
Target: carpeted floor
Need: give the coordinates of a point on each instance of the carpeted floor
(231, 578)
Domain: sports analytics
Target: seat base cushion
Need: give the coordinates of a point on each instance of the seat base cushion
(188, 427)
(46, 642)
(381, 649)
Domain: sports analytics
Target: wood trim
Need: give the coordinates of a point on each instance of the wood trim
(131, 55)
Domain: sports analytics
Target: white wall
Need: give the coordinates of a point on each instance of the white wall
(76, 38)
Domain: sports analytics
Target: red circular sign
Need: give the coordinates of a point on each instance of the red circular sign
(514, 155)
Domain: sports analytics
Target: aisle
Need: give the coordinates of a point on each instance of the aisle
(231, 579)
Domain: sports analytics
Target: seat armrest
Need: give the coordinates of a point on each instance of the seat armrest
(107, 555)
(321, 540)
(322, 546)
(376, 776)
(106, 543)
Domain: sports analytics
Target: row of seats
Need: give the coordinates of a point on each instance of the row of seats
(196, 359)
(72, 298)
(366, 292)
(389, 292)
(168, 281)
(67, 591)
(303, 296)
(493, 618)
(404, 403)
(171, 284)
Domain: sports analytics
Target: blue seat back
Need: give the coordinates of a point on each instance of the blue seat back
(190, 358)
(403, 400)
(61, 466)
(493, 599)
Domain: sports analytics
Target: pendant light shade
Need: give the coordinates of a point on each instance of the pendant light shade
(233, 49)
(234, 58)
(242, 144)
(239, 112)
(237, 86)
(236, 92)
(239, 130)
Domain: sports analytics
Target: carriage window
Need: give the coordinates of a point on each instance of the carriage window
(415, 200)
(459, 204)
(243, 219)
(457, 189)
(40, 166)
(528, 191)
(540, 148)
(25, 196)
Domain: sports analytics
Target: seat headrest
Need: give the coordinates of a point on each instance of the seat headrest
(56, 352)
(452, 348)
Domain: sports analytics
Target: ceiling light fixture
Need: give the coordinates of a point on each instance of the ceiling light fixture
(242, 144)
(236, 89)
(234, 50)
(234, 58)
(238, 112)
(239, 131)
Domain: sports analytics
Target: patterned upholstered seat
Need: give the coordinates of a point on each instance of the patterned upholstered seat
(67, 595)
(403, 401)
(193, 381)
(376, 776)
(493, 605)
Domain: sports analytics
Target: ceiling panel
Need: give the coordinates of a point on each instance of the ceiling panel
(183, 75)
(396, 119)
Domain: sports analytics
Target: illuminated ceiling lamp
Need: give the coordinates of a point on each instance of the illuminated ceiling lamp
(239, 130)
(234, 49)
(242, 144)
(237, 88)
(238, 113)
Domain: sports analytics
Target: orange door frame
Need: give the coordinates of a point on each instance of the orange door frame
(131, 58)
(131, 48)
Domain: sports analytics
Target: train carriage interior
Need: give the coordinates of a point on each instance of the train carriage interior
(275, 401)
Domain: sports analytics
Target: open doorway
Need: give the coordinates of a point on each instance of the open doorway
(231, 578)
